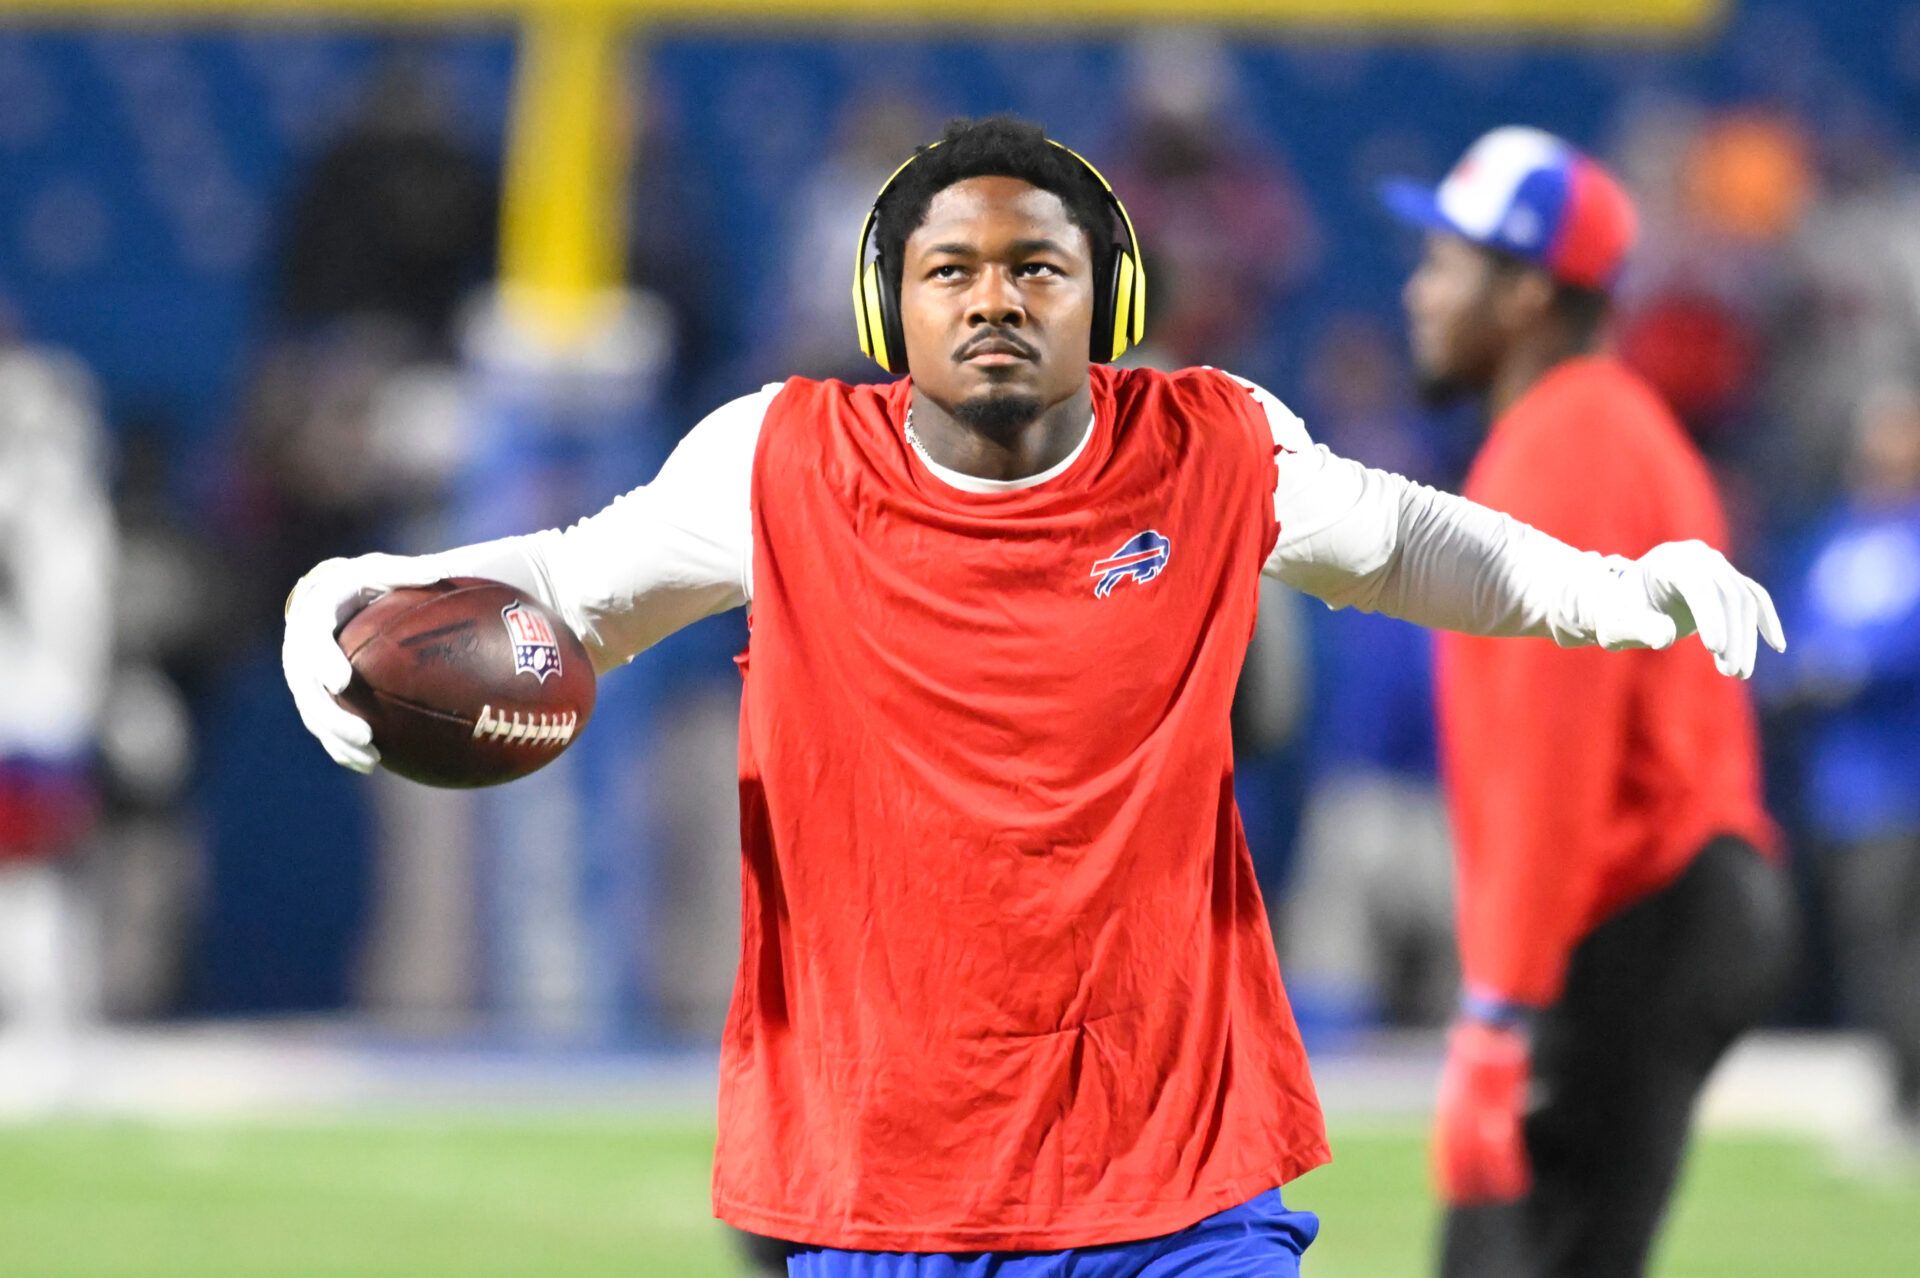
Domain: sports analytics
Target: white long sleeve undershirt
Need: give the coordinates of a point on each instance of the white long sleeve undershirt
(681, 548)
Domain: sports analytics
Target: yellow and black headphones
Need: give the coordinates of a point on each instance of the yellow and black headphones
(1119, 290)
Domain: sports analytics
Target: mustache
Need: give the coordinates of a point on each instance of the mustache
(993, 335)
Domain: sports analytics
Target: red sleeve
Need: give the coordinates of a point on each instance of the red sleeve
(1534, 736)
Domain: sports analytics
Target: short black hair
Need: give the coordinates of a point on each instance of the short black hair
(997, 146)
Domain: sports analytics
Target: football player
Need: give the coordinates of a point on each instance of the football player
(1007, 999)
(1622, 913)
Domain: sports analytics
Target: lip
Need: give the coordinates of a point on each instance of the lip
(996, 350)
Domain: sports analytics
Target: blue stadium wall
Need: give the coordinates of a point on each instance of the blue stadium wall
(140, 170)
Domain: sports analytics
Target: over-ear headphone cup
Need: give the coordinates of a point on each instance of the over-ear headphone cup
(1111, 308)
(1129, 304)
(883, 343)
(888, 301)
(1137, 302)
(862, 316)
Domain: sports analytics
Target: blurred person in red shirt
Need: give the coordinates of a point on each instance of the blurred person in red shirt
(1622, 914)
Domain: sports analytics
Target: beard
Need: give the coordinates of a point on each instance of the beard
(998, 414)
(1444, 390)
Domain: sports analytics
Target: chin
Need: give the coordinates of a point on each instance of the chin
(1444, 389)
(998, 412)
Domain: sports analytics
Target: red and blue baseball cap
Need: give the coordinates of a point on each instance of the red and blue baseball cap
(1533, 196)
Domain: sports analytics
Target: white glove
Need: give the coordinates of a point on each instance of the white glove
(312, 659)
(1679, 588)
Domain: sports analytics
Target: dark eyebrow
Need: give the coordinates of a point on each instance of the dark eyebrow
(1021, 248)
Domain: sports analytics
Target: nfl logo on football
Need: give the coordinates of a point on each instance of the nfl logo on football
(535, 650)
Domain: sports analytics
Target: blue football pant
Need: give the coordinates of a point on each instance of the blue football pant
(1260, 1238)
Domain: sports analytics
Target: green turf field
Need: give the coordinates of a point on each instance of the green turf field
(589, 1197)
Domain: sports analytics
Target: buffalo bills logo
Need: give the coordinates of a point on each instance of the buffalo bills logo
(535, 650)
(1140, 560)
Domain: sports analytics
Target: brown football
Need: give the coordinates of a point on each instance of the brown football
(466, 682)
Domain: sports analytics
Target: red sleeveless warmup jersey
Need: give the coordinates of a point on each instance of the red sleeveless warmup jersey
(1006, 981)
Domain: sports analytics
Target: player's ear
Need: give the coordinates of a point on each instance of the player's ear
(1523, 299)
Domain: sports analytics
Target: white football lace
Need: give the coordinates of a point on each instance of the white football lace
(530, 729)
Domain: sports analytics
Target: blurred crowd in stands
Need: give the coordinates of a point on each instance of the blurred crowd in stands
(171, 844)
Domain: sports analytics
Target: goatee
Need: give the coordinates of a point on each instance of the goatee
(998, 416)
(1440, 390)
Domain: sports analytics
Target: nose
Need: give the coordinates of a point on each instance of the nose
(1426, 292)
(1410, 293)
(994, 300)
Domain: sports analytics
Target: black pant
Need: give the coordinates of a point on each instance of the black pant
(1654, 997)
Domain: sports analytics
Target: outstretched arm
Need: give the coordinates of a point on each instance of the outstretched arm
(1369, 539)
(659, 558)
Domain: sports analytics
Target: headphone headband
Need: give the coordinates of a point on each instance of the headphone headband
(876, 307)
